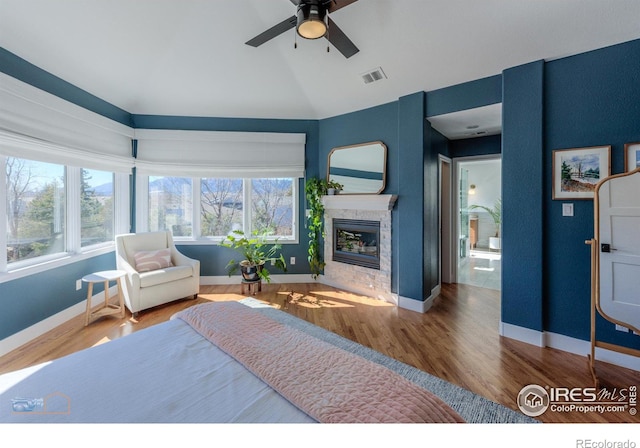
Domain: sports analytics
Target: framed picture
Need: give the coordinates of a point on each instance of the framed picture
(577, 171)
(631, 156)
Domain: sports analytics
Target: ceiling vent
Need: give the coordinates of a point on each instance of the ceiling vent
(373, 75)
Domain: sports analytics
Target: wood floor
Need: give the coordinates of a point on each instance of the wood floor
(457, 340)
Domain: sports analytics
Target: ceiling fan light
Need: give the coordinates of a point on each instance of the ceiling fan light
(311, 24)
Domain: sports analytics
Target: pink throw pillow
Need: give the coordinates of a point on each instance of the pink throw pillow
(152, 260)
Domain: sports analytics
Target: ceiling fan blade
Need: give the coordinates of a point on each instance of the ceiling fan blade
(340, 40)
(272, 32)
(337, 4)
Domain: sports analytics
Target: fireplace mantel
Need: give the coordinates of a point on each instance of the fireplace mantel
(359, 201)
(359, 278)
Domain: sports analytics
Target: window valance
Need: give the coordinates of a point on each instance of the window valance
(220, 154)
(15, 145)
(38, 125)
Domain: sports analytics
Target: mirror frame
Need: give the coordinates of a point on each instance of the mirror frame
(384, 163)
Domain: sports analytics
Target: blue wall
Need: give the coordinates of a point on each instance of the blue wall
(478, 146)
(585, 100)
(413, 141)
(377, 123)
(28, 300)
(590, 99)
(522, 189)
(469, 95)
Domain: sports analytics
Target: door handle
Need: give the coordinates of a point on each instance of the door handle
(606, 247)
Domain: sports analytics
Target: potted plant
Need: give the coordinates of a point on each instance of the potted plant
(334, 187)
(256, 252)
(496, 213)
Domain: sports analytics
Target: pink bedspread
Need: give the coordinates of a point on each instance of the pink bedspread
(326, 382)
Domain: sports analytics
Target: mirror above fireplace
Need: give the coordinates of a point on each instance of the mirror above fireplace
(361, 169)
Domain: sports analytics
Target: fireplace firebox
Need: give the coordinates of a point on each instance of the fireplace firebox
(356, 242)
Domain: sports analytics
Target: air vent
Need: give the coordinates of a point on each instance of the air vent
(373, 75)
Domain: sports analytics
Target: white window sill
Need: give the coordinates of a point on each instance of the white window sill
(186, 241)
(25, 269)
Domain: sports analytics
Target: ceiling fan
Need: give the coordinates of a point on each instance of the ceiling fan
(312, 21)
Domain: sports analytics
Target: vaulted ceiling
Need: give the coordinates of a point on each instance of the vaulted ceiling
(189, 57)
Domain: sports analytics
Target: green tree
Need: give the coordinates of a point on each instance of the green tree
(565, 171)
(44, 221)
(91, 212)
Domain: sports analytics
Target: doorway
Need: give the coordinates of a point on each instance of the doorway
(478, 252)
(445, 209)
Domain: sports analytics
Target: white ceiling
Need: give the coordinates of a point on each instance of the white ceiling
(188, 57)
(470, 123)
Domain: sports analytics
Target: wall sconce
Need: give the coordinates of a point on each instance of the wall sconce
(472, 189)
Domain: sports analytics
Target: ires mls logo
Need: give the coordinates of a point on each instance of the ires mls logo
(534, 400)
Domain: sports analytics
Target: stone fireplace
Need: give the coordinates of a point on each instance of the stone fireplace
(357, 248)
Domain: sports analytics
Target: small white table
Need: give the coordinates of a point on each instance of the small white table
(105, 309)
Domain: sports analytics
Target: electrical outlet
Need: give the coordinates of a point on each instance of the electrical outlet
(292, 260)
(78, 285)
(621, 328)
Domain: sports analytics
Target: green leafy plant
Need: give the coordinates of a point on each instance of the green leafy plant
(495, 212)
(256, 251)
(337, 186)
(315, 188)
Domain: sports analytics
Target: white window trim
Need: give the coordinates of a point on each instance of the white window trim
(3, 203)
(73, 179)
(142, 212)
(74, 252)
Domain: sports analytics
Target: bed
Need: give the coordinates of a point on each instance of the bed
(222, 362)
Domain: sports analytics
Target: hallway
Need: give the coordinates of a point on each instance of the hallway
(481, 268)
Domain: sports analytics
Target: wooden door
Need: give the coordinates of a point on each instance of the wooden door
(618, 236)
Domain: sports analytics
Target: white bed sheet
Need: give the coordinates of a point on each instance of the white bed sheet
(163, 374)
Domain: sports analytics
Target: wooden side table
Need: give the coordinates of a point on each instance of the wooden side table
(105, 309)
(252, 287)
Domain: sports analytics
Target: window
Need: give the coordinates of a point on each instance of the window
(36, 209)
(53, 211)
(272, 206)
(96, 207)
(210, 208)
(239, 180)
(221, 206)
(171, 205)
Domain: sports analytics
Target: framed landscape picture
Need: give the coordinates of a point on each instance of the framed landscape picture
(577, 171)
(631, 156)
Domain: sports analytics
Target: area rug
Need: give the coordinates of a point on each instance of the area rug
(472, 407)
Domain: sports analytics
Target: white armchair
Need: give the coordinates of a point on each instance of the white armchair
(159, 282)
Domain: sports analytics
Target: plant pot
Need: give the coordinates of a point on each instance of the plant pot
(250, 272)
(494, 242)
